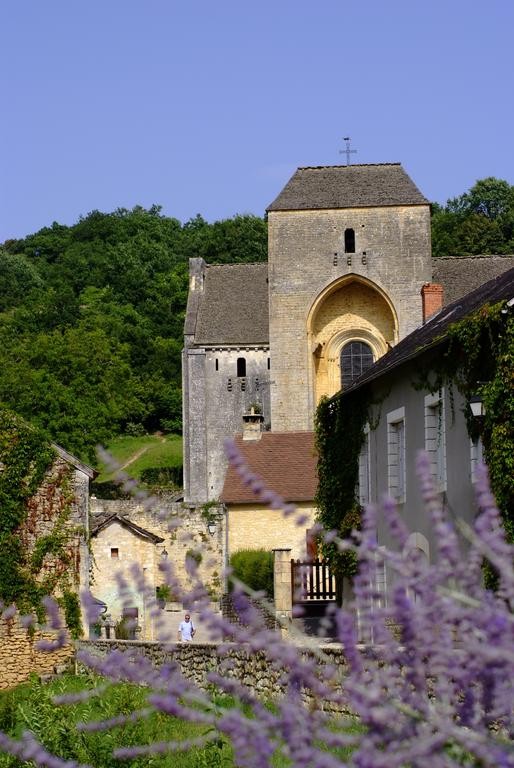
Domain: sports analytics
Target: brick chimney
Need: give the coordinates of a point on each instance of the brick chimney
(252, 421)
(431, 299)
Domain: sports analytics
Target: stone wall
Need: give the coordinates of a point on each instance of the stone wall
(258, 672)
(59, 508)
(190, 535)
(19, 656)
(256, 526)
(215, 399)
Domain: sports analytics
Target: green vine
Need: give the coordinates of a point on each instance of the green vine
(340, 435)
(478, 358)
(25, 458)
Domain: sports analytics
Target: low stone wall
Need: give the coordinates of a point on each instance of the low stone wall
(256, 671)
(19, 656)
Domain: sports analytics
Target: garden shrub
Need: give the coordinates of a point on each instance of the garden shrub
(254, 567)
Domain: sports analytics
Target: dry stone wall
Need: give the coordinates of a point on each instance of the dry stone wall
(20, 657)
(256, 671)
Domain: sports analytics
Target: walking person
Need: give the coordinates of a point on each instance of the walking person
(186, 629)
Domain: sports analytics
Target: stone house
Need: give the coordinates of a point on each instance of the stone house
(125, 533)
(286, 462)
(54, 541)
(408, 416)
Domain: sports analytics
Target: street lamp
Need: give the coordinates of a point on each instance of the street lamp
(211, 527)
(477, 406)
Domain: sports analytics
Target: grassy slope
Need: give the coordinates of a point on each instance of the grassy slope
(137, 453)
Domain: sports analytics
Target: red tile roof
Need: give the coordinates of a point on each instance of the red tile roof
(286, 461)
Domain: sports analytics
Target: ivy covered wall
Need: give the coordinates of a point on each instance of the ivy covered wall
(474, 356)
(43, 522)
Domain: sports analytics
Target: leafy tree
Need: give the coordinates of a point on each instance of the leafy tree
(480, 221)
(91, 319)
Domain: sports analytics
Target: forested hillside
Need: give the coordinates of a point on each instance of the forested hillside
(91, 315)
(91, 320)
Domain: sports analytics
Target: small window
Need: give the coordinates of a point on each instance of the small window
(435, 438)
(217, 365)
(477, 456)
(241, 366)
(349, 241)
(269, 363)
(396, 454)
(363, 489)
(115, 553)
(356, 357)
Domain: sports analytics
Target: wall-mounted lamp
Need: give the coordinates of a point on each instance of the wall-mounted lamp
(164, 554)
(477, 406)
(211, 527)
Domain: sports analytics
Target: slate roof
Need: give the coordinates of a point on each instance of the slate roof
(286, 461)
(460, 275)
(71, 459)
(234, 305)
(348, 186)
(434, 331)
(107, 520)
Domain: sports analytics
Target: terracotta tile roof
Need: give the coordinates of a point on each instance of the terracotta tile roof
(348, 186)
(286, 461)
(234, 305)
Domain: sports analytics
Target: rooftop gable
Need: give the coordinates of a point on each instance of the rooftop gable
(348, 186)
(129, 525)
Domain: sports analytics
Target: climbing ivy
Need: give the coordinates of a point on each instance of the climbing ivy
(25, 457)
(478, 358)
(339, 428)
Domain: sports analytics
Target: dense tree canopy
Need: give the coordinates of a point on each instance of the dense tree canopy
(91, 319)
(480, 221)
(91, 315)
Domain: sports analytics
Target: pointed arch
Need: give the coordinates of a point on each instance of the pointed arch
(351, 309)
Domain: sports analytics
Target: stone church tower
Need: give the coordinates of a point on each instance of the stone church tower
(349, 251)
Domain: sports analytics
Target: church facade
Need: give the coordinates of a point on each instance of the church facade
(349, 254)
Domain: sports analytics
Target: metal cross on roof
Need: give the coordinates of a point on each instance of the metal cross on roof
(347, 151)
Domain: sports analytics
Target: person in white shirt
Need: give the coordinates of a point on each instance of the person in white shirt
(186, 630)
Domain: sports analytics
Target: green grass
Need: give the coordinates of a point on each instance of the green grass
(31, 707)
(141, 453)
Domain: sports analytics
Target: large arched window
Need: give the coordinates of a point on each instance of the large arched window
(356, 357)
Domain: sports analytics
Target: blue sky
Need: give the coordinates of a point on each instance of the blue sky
(208, 107)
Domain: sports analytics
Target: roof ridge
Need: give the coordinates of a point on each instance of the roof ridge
(352, 165)
(239, 264)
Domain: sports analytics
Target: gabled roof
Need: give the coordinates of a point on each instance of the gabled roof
(234, 305)
(85, 468)
(434, 332)
(286, 461)
(348, 186)
(129, 525)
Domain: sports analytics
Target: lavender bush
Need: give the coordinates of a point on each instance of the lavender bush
(429, 675)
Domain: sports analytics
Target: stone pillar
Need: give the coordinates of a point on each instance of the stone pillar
(282, 586)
